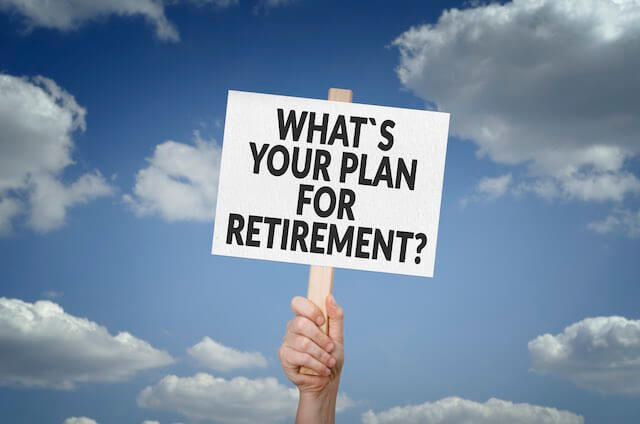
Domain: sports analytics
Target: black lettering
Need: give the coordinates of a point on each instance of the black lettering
(409, 177)
(379, 243)
(302, 199)
(356, 132)
(299, 231)
(322, 128)
(345, 203)
(296, 161)
(339, 132)
(322, 161)
(271, 222)
(234, 228)
(285, 160)
(404, 236)
(316, 237)
(387, 135)
(332, 202)
(362, 242)
(363, 180)
(340, 245)
(285, 234)
(291, 122)
(348, 166)
(384, 173)
(252, 231)
(257, 156)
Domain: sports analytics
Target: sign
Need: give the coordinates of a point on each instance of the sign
(330, 183)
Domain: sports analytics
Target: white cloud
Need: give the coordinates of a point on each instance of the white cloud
(38, 119)
(67, 15)
(619, 220)
(454, 410)
(205, 397)
(548, 84)
(236, 401)
(79, 420)
(601, 354)
(180, 183)
(43, 346)
(489, 188)
(495, 187)
(216, 356)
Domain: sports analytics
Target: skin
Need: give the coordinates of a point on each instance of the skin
(305, 345)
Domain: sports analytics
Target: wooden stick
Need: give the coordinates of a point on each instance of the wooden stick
(321, 277)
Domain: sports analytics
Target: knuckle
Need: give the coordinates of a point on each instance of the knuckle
(298, 324)
(294, 302)
(305, 343)
(324, 340)
(311, 363)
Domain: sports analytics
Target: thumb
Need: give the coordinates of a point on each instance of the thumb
(336, 319)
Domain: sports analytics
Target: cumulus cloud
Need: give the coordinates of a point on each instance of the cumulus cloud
(453, 410)
(547, 84)
(240, 400)
(180, 183)
(489, 188)
(79, 420)
(619, 220)
(216, 356)
(600, 354)
(208, 398)
(43, 346)
(38, 120)
(68, 15)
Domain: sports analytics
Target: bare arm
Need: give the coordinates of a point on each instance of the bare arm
(304, 344)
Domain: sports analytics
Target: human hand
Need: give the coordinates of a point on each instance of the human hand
(305, 345)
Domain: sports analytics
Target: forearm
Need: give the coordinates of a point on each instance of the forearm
(318, 408)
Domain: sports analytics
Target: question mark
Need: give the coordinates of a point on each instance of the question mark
(423, 242)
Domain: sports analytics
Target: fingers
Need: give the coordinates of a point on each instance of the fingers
(336, 319)
(303, 344)
(304, 307)
(304, 327)
(303, 359)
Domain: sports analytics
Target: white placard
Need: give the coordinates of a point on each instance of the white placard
(358, 188)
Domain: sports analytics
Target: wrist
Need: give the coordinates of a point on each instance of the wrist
(318, 406)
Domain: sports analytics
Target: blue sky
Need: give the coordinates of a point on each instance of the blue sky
(539, 228)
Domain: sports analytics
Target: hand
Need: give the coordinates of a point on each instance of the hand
(305, 345)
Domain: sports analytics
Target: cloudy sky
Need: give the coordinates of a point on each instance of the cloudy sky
(112, 309)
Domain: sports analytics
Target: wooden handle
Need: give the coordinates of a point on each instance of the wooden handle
(321, 277)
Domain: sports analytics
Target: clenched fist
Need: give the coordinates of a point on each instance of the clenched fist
(305, 345)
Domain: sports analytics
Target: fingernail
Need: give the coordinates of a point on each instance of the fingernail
(320, 320)
(329, 347)
(332, 300)
(332, 362)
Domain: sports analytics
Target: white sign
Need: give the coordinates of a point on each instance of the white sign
(330, 183)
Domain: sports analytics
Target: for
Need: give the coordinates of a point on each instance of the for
(344, 201)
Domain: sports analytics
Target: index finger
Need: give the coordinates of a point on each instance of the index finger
(304, 307)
